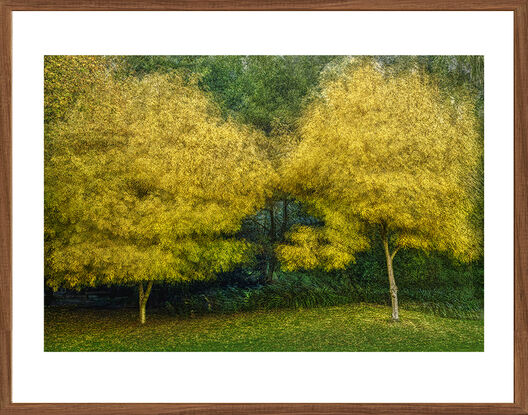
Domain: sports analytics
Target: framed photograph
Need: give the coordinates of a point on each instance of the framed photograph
(234, 207)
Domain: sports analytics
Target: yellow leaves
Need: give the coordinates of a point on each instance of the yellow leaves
(65, 77)
(145, 179)
(389, 149)
(327, 247)
(155, 179)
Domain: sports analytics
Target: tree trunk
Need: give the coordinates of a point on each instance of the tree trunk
(271, 248)
(142, 316)
(284, 225)
(390, 271)
(271, 270)
(143, 298)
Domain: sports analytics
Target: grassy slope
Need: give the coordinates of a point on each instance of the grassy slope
(359, 327)
(362, 327)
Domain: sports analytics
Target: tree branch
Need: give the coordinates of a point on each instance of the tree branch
(149, 288)
(260, 224)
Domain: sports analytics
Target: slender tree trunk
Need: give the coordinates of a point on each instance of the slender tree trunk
(271, 248)
(271, 270)
(390, 271)
(142, 314)
(284, 225)
(143, 298)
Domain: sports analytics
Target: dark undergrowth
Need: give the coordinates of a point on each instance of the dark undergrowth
(428, 283)
(296, 290)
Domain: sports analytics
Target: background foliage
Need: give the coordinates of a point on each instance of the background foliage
(266, 96)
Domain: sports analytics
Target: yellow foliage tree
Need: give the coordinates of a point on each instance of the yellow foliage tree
(385, 153)
(146, 182)
(66, 78)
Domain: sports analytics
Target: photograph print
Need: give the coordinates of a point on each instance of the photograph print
(263, 203)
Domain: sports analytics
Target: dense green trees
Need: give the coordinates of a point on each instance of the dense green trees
(176, 168)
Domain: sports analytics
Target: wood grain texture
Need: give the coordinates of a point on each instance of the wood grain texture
(521, 209)
(5, 206)
(263, 4)
(263, 409)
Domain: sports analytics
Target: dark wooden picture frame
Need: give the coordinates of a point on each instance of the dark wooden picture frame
(520, 9)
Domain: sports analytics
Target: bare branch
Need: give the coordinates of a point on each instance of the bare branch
(149, 288)
(394, 252)
(260, 224)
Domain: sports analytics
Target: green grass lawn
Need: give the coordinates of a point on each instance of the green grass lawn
(351, 328)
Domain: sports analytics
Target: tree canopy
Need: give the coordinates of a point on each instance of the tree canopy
(65, 79)
(384, 153)
(267, 92)
(177, 168)
(146, 182)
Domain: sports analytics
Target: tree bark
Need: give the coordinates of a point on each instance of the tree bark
(390, 271)
(271, 248)
(142, 314)
(284, 225)
(270, 271)
(143, 298)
